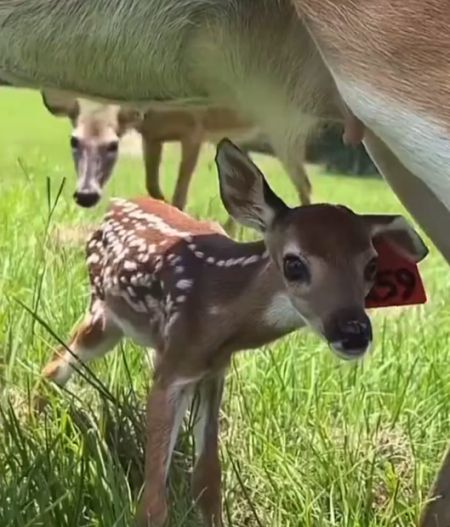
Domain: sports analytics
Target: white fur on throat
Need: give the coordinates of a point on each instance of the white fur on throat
(282, 315)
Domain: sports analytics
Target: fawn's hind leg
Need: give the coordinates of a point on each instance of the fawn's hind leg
(94, 337)
(206, 476)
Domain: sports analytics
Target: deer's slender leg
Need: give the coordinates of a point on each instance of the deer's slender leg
(436, 512)
(303, 184)
(94, 337)
(167, 404)
(152, 151)
(206, 485)
(295, 168)
(190, 150)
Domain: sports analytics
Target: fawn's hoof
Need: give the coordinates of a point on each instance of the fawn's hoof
(152, 512)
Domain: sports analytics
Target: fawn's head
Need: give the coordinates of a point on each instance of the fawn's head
(324, 253)
(96, 132)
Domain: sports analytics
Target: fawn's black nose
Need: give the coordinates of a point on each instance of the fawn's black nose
(86, 199)
(350, 334)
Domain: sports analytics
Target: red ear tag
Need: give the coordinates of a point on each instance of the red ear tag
(398, 281)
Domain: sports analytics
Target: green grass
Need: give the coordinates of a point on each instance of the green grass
(307, 440)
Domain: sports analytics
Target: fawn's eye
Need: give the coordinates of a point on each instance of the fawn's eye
(371, 269)
(74, 142)
(112, 147)
(295, 269)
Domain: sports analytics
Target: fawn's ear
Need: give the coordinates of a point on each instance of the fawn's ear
(396, 230)
(60, 105)
(244, 191)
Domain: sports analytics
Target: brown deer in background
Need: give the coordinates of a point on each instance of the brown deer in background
(196, 296)
(97, 130)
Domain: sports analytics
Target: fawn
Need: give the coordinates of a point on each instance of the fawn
(196, 296)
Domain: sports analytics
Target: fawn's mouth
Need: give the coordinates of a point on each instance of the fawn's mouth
(345, 351)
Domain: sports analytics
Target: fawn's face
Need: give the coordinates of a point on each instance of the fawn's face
(94, 142)
(324, 253)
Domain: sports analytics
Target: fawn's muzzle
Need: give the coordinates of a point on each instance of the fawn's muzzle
(349, 333)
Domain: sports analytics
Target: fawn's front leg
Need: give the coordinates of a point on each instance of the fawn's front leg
(207, 472)
(167, 404)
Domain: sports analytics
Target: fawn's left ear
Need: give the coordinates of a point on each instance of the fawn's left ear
(396, 230)
(244, 191)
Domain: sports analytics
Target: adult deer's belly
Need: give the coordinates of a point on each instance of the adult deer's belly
(421, 144)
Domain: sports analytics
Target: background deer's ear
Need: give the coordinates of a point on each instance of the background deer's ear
(396, 230)
(244, 191)
(130, 117)
(59, 104)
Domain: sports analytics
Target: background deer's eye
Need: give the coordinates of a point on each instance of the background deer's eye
(112, 147)
(295, 269)
(74, 142)
(370, 272)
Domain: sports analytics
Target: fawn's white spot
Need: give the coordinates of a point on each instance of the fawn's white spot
(251, 260)
(184, 283)
(215, 310)
(131, 291)
(93, 259)
(128, 265)
(143, 258)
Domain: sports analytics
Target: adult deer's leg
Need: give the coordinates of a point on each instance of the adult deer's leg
(152, 151)
(436, 512)
(420, 201)
(301, 180)
(207, 473)
(190, 150)
(292, 160)
(94, 337)
(167, 404)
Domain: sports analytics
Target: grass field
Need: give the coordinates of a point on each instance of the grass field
(307, 440)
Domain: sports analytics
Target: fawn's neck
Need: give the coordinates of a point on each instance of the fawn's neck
(244, 285)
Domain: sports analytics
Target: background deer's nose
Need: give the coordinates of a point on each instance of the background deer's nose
(86, 199)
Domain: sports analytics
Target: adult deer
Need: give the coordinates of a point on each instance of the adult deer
(97, 129)
(389, 60)
(197, 297)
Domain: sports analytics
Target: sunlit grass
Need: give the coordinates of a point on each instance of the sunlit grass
(306, 440)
